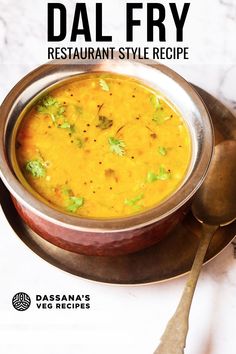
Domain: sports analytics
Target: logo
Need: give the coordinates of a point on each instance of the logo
(21, 301)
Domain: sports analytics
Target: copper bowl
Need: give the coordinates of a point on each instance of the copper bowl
(117, 236)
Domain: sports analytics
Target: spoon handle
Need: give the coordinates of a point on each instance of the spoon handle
(173, 339)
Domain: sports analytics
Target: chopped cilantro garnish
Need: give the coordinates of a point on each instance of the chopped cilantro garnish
(151, 177)
(117, 146)
(159, 118)
(47, 101)
(64, 125)
(79, 142)
(72, 128)
(162, 150)
(155, 101)
(76, 203)
(133, 201)
(49, 105)
(67, 125)
(35, 168)
(61, 110)
(163, 175)
(67, 191)
(104, 85)
(104, 122)
(138, 207)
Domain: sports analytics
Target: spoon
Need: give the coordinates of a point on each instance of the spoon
(214, 205)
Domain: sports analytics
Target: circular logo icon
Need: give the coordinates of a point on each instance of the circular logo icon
(21, 301)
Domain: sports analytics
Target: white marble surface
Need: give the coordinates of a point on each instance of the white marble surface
(121, 319)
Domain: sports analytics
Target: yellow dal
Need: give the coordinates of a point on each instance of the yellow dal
(82, 172)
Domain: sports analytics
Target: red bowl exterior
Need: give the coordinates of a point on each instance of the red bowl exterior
(100, 244)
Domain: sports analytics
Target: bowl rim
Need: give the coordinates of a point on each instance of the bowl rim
(99, 225)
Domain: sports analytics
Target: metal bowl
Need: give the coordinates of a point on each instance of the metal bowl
(118, 235)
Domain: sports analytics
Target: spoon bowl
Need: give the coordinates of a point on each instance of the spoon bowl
(215, 201)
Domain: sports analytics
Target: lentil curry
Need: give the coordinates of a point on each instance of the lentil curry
(102, 145)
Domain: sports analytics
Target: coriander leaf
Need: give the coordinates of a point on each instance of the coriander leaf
(35, 168)
(138, 207)
(67, 125)
(155, 101)
(61, 110)
(64, 125)
(162, 150)
(163, 175)
(159, 119)
(104, 123)
(79, 201)
(49, 105)
(67, 191)
(47, 101)
(104, 85)
(117, 146)
(76, 203)
(79, 142)
(133, 201)
(151, 177)
(72, 128)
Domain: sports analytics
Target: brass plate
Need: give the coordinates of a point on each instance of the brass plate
(170, 258)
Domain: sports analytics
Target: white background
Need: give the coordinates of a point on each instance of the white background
(121, 319)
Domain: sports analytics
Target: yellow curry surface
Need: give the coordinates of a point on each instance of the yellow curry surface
(103, 146)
